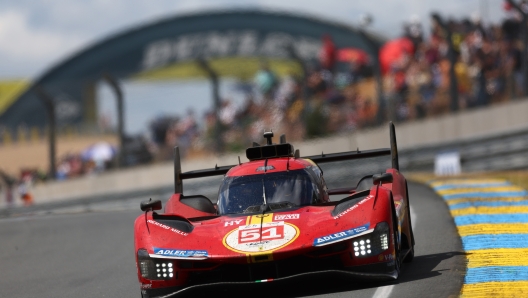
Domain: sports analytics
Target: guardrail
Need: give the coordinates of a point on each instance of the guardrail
(507, 151)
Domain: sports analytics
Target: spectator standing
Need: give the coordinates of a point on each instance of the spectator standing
(24, 192)
(9, 183)
(266, 81)
(328, 54)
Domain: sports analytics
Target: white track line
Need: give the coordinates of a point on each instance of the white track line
(384, 292)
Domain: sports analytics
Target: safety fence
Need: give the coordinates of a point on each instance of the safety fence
(507, 151)
(491, 216)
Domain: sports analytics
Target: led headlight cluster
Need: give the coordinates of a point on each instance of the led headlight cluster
(362, 247)
(164, 270)
(374, 243)
(154, 269)
(384, 239)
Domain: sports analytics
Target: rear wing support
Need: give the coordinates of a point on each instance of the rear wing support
(178, 185)
(179, 176)
(394, 147)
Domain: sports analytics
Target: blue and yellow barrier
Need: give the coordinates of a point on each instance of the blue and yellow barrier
(492, 220)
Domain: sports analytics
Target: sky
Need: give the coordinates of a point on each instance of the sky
(36, 34)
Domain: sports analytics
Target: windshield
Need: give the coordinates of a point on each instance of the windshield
(245, 194)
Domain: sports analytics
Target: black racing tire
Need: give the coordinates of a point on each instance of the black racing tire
(410, 255)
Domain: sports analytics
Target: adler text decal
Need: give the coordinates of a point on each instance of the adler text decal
(340, 235)
(180, 253)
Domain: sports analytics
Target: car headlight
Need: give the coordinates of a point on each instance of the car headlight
(374, 243)
(154, 269)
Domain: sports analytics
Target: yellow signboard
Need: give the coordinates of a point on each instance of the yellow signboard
(9, 92)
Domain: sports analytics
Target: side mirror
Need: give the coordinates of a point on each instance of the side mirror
(150, 205)
(379, 179)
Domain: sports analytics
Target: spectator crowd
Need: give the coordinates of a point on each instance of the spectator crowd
(338, 93)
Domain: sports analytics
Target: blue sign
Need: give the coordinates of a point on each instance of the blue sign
(340, 235)
(180, 253)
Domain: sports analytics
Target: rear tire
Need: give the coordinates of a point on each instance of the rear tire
(397, 241)
(410, 256)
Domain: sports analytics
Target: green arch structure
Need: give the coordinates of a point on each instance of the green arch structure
(233, 42)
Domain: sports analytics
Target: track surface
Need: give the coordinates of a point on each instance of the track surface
(90, 255)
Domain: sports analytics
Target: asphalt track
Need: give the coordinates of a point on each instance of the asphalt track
(90, 254)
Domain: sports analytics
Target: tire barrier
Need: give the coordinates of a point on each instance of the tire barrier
(491, 216)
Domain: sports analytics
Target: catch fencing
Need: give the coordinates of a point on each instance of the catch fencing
(507, 151)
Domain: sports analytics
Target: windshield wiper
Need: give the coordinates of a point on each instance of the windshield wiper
(264, 207)
(264, 193)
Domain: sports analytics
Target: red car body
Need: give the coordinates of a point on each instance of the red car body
(194, 242)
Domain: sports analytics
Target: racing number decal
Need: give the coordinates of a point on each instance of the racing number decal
(248, 235)
(273, 233)
(257, 238)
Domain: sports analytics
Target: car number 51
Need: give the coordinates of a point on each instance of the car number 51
(256, 234)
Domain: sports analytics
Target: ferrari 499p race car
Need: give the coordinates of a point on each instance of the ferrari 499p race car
(274, 220)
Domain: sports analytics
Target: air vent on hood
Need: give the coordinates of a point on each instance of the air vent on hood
(173, 221)
(349, 202)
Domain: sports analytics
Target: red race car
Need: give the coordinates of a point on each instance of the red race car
(274, 220)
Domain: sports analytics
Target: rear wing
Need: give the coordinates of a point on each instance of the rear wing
(322, 158)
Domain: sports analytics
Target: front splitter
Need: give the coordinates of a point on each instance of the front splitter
(356, 276)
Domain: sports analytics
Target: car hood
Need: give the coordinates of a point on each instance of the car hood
(262, 236)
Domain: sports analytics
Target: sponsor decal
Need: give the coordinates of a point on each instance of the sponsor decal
(389, 257)
(167, 227)
(266, 168)
(180, 253)
(146, 286)
(380, 258)
(353, 207)
(233, 222)
(286, 216)
(340, 235)
(247, 43)
(257, 238)
(398, 204)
